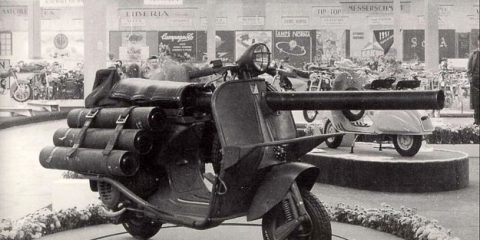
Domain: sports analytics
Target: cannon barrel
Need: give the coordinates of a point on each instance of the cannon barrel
(355, 100)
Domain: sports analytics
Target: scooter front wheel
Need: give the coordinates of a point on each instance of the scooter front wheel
(141, 227)
(316, 227)
(332, 142)
(407, 145)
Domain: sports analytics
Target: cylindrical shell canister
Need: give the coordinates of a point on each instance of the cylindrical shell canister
(90, 161)
(150, 118)
(134, 140)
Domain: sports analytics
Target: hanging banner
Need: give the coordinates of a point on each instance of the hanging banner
(446, 43)
(62, 45)
(474, 39)
(133, 47)
(225, 46)
(243, 40)
(331, 44)
(463, 45)
(384, 38)
(201, 46)
(413, 45)
(294, 46)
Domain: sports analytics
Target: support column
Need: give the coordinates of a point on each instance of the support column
(34, 37)
(95, 37)
(397, 29)
(431, 35)
(211, 19)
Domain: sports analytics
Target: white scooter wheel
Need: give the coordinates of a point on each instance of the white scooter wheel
(407, 145)
(332, 142)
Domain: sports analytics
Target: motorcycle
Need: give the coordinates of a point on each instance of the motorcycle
(19, 89)
(197, 154)
(405, 128)
(315, 79)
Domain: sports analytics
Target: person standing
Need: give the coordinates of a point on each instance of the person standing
(473, 72)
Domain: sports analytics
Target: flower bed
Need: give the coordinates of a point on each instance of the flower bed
(45, 221)
(469, 134)
(404, 223)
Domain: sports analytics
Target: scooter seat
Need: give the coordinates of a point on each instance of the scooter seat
(146, 91)
(408, 84)
(381, 84)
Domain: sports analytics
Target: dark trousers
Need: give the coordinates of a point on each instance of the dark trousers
(475, 98)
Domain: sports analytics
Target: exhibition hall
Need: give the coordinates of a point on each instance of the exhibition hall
(239, 119)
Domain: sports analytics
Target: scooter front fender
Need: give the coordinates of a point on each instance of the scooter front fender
(276, 184)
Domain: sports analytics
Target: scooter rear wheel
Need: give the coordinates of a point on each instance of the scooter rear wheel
(141, 227)
(317, 226)
(407, 145)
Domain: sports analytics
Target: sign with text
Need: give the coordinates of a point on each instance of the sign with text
(252, 21)
(373, 7)
(132, 22)
(380, 20)
(463, 44)
(413, 45)
(296, 46)
(446, 43)
(163, 2)
(384, 38)
(326, 11)
(295, 21)
(61, 3)
(219, 21)
(154, 13)
(13, 11)
(182, 45)
(358, 35)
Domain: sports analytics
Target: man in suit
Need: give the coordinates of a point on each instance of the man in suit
(473, 72)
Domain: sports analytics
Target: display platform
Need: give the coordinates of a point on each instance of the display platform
(238, 231)
(369, 168)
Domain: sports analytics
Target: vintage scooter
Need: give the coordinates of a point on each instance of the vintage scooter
(148, 154)
(405, 128)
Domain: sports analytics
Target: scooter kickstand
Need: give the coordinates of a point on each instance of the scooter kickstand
(353, 143)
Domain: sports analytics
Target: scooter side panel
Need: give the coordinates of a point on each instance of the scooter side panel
(401, 122)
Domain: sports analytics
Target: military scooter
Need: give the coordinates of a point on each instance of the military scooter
(405, 128)
(145, 145)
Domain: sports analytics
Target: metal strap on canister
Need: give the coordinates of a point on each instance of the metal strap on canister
(79, 138)
(122, 119)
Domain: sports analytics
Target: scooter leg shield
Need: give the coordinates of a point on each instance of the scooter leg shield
(276, 184)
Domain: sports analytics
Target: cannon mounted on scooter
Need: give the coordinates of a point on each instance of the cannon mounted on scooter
(146, 146)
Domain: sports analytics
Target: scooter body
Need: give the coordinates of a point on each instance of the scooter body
(386, 122)
(405, 128)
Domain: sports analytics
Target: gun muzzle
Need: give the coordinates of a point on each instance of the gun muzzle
(356, 100)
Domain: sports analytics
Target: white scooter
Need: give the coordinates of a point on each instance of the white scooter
(405, 128)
